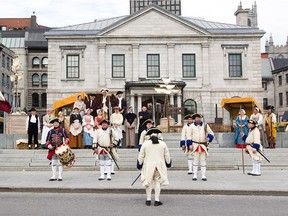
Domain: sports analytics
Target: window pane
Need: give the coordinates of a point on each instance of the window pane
(72, 70)
(35, 80)
(153, 65)
(118, 66)
(188, 65)
(235, 65)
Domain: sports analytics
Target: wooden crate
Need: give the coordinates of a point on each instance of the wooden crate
(16, 124)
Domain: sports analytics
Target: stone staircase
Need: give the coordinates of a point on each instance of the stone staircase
(219, 159)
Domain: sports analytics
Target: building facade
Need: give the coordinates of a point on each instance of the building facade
(208, 60)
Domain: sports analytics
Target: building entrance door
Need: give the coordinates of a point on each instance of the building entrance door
(155, 105)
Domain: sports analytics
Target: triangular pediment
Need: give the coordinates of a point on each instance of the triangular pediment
(153, 21)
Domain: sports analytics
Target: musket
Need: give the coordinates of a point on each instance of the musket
(111, 155)
(262, 154)
(136, 179)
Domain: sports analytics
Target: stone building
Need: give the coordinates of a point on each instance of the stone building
(25, 37)
(209, 60)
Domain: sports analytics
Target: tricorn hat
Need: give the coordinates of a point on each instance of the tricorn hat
(270, 107)
(104, 90)
(197, 115)
(92, 94)
(188, 116)
(32, 109)
(119, 92)
(252, 121)
(54, 120)
(153, 131)
(148, 121)
(104, 121)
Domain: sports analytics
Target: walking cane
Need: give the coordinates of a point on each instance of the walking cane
(135, 179)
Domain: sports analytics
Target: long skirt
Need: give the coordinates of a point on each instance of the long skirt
(75, 141)
(87, 139)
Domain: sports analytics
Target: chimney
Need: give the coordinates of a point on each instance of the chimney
(33, 20)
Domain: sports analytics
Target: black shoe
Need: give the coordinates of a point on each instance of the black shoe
(204, 179)
(60, 179)
(194, 179)
(158, 203)
(190, 173)
(29, 146)
(101, 179)
(109, 179)
(112, 173)
(52, 179)
(148, 202)
(256, 174)
(36, 146)
(249, 173)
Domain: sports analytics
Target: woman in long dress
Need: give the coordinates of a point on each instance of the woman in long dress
(79, 103)
(98, 119)
(88, 131)
(75, 134)
(241, 127)
(47, 126)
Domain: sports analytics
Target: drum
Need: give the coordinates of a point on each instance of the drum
(65, 155)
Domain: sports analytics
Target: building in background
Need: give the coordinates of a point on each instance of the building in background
(173, 6)
(206, 59)
(25, 37)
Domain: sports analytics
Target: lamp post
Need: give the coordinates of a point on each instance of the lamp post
(167, 88)
(15, 77)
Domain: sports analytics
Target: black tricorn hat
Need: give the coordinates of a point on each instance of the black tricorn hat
(188, 116)
(119, 92)
(32, 109)
(104, 121)
(148, 121)
(153, 130)
(54, 120)
(196, 115)
(252, 121)
(92, 94)
(270, 107)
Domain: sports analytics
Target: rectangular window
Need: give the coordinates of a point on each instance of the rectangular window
(3, 60)
(118, 66)
(235, 65)
(264, 85)
(153, 65)
(280, 99)
(8, 63)
(286, 98)
(72, 66)
(280, 80)
(188, 65)
(265, 102)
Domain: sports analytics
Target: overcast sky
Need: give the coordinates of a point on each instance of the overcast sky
(57, 13)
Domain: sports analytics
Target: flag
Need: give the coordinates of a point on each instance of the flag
(4, 105)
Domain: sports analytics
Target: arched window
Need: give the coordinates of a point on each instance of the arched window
(35, 79)
(190, 107)
(35, 100)
(44, 100)
(35, 62)
(249, 23)
(44, 79)
(44, 62)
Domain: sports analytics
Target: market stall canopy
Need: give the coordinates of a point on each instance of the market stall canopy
(68, 101)
(233, 105)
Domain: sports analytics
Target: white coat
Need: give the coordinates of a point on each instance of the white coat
(253, 138)
(154, 156)
(199, 135)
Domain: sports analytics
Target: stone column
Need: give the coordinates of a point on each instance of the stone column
(135, 60)
(179, 104)
(102, 64)
(205, 64)
(171, 99)
(139, 103)
(132, 101)
(171, 61)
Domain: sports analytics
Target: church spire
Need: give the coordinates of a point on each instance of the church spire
(271, 42)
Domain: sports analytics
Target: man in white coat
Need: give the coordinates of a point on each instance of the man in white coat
(186, 142)
(201, 136)
(104, 143)
(253, 145)
(154, 159)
